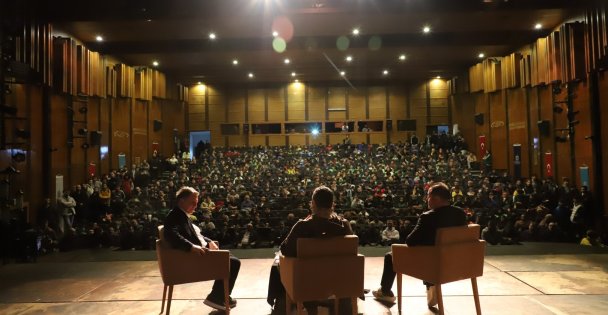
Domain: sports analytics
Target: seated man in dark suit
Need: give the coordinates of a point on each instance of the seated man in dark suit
(440, 215)
(182, 234)
(322, 223)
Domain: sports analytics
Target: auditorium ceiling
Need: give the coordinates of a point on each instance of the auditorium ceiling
(316, 36)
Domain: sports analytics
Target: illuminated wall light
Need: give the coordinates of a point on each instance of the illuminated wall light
(250, 75)
(349, 58)
(402, 57)
(538, 26)
(212, 36)
(355, 31)
(286, 61)
(99, 38)
(481, 55)
(155, 63)
(426, 29)
(235, 62)
(275, 34)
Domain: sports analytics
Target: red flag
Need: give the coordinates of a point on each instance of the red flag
(548, 164)
(482, 148)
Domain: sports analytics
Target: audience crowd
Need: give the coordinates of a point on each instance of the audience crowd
(250, 197)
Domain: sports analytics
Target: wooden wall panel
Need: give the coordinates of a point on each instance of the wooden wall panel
(296, 104)
(518, 128)
(276, 104)
(536, 157)
(377, 103)
(59, 149)
(139, 130)
(356, 104)
(377, 138)
(498, 123)
(276, 140)
(296, 140)
(463, 112)
(257, 105)
(603, 105)
(155, 113)
(397, 104)
(121, 130)
(547, 143)
(236, 141)
(337, 138)
(106, 134)
(316, 103)
(482, 106)
(337, 98)
(236, 106)
(582, 147)
(257, 140)
(196, 107)
(92, 117)
(563, 162)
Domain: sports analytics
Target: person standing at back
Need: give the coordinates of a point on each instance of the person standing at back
(441, 214)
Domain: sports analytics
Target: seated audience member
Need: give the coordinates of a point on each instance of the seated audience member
(441, 214)
(322, 223)
(248, 237)
(390, 234)
(182, 234)
(592, 239)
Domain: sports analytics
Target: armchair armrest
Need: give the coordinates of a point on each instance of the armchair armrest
(179, 267)
(420, 262)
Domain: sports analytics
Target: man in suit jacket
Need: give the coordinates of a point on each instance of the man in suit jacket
(182, 234)
(440, 215)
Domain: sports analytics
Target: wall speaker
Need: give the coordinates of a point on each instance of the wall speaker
(245, 129)
(95, 137)
(479, 119)
(157, 125)
(544, 127)
(389, 125)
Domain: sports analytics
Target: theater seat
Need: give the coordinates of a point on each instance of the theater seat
(178, 267)
(458, 254)
(323, 268)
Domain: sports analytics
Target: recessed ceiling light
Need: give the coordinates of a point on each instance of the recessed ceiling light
(250, 74)
(275, 33)
(438, 77)
(199, 83)
(349, 58)
(538, 26)
(235, 62)
(212, 36)
(481, 55)
(99, 38)
(426, 29)
(149, 20)
(293, 74)
(355, 31)
(384, 72)
(401, 57)
(342, 73)
(286, 61)
(296, 81)
(155, 63)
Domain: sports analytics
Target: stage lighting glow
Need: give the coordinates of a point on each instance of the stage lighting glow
(315, 132)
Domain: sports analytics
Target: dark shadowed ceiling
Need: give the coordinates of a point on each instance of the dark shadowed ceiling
(317, 33)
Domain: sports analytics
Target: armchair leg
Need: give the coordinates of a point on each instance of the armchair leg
(399, 283)
(476, 296)
(353, 302)
(162, 306)
(300, 308)
(439, 298)
(227, 296)
(169, 300)
(336, 307)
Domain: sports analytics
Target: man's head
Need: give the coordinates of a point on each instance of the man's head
(187, 199)
(322, 200)
(438, 196)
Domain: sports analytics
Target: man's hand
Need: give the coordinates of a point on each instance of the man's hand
(198, 250)
(213, 245)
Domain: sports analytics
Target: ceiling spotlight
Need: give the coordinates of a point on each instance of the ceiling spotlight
(287, 61)
(538, 26)
(438, 77)
(296, 81)
(481, 55)
(426, 29)
(235, 62)
(349, 58)
(355, 31)
(275, 33)
(293, 74)
(199, 83)
(402, 57)
(385, 72)
(99, 38)
(155, 63)
(342, 73)
(250, 75)
(212, 36)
